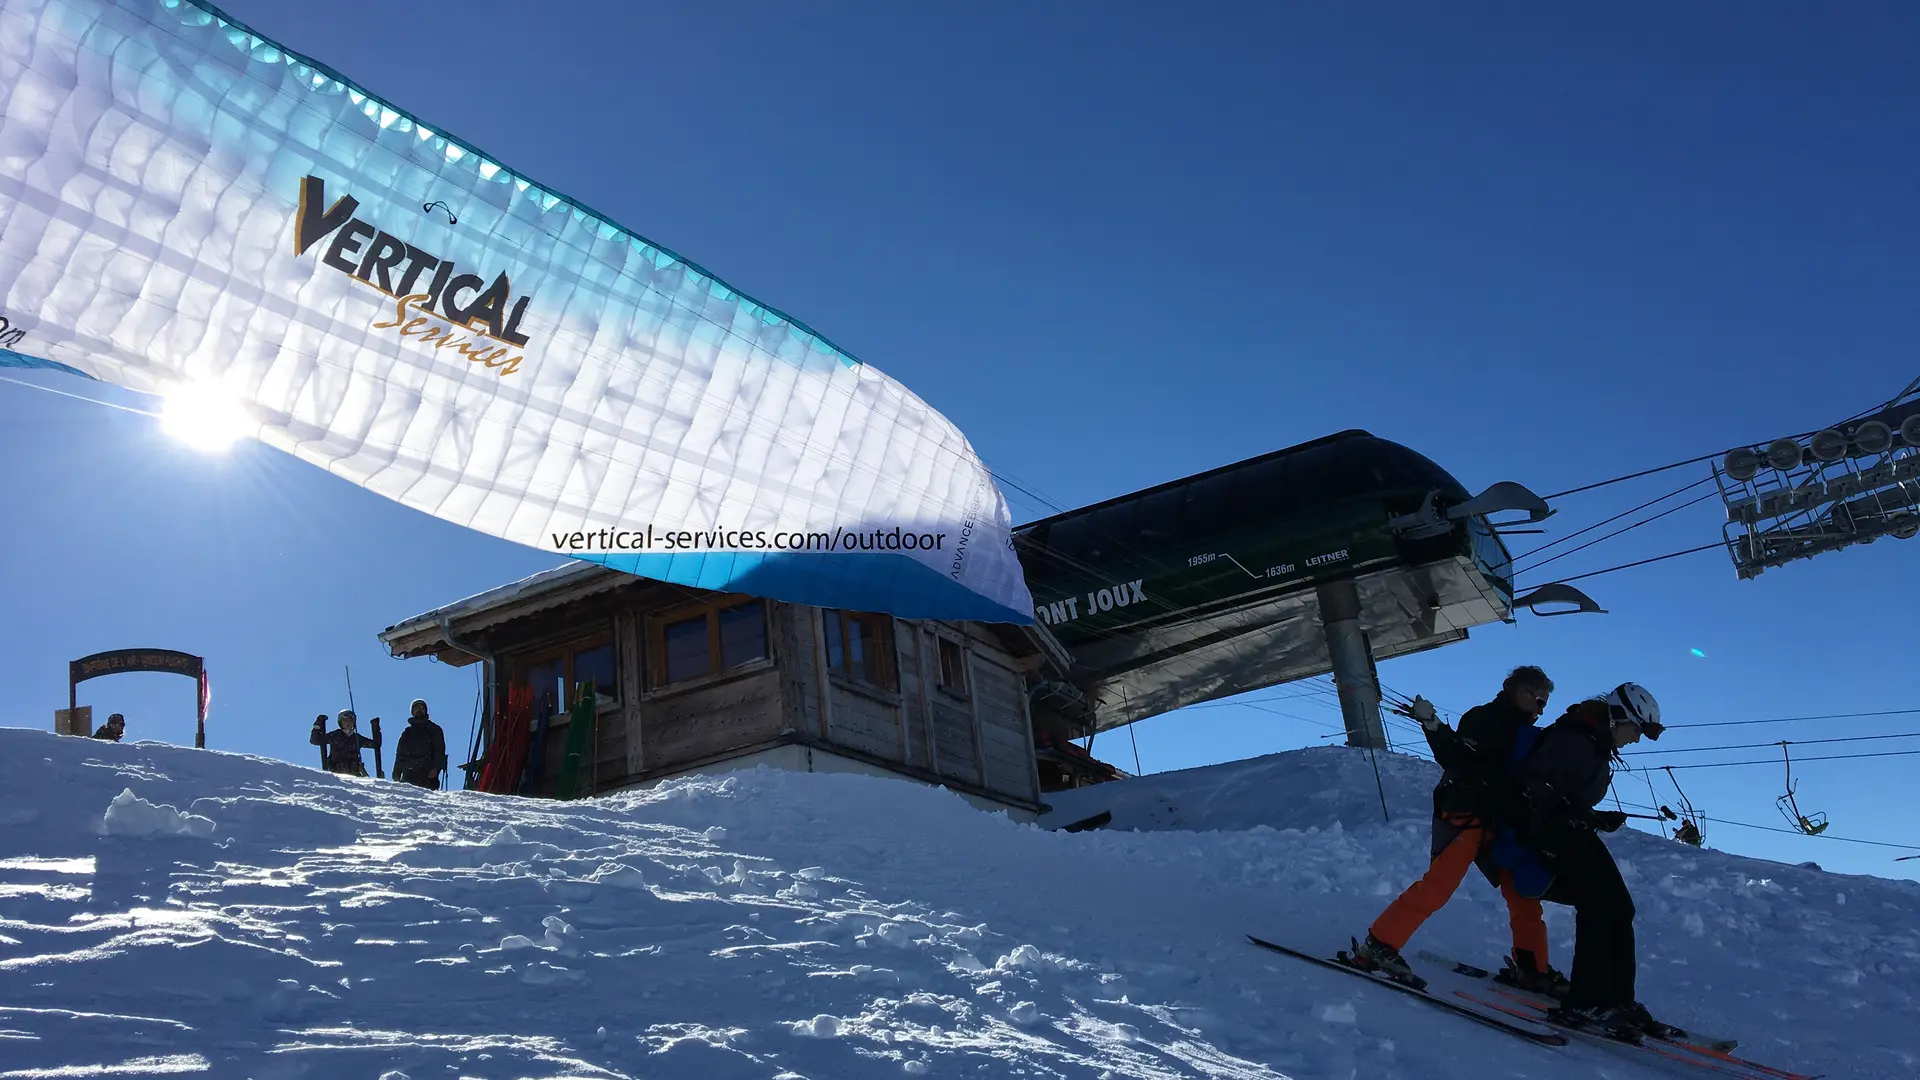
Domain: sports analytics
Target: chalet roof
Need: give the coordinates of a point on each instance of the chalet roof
(432, 633)
(494, 597)
(429, 632)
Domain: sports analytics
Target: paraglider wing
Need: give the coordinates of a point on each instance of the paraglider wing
(187, 207)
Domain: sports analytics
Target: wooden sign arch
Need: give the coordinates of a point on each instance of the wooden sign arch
(119, 661)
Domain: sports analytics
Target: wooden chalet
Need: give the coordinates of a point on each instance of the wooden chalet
(689, 681)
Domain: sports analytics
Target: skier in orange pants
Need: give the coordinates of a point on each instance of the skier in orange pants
(1474, 760)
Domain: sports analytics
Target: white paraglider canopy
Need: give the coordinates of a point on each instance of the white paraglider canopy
(196, 211)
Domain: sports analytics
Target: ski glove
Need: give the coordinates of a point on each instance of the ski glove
(1423, 711)
(1608, 820)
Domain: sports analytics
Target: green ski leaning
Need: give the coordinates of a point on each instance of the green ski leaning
(580, 741)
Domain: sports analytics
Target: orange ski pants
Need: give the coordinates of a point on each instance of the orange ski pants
(1397, 924)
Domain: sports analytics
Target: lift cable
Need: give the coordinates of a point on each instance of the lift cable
(1791, 832)
(1640, 562)
(1764, 745)
(1624, 513)
(1798, 719)
(1617, 532)
(1825, 757)
(1634, 476)
(1709, 457)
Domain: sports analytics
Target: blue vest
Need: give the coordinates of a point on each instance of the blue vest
(1530, 878)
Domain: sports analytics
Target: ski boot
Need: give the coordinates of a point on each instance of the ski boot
(1647, 1025)
(1607, 1021)
(1521, 973)
(1383, 959)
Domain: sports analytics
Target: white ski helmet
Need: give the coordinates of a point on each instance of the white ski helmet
(1630, 703)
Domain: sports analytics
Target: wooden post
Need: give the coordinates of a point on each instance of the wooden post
(973, 709)
(821, 678)
(1026, 725)
(920, 677)
(629, 629)
(929, 722)
(920, 636)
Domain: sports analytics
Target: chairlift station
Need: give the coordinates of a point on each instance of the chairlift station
(1322, 557)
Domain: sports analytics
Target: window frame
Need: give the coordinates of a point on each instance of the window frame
(562, 650)
(886, 648)
(963, 689)
(656, 623)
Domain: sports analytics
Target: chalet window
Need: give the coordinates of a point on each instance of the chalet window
(860, 647)
(547, 678)
(743, 635)
(688, 655)
(594, 665)
(557, 674)
(707, 640)
(953, 667)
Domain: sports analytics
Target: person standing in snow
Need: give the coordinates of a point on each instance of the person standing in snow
(1475, 760)
(341, 746)
(421, 755)
(114, 729)
(1562, 779)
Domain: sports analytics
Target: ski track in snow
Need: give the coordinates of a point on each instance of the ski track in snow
(167, 911)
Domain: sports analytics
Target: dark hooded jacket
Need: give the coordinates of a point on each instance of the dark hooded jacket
(419, 755)
(1566, 774)
(1479, 762)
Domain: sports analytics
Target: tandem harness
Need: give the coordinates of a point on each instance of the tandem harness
(1531, 879)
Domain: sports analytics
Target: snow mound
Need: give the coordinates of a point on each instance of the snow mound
(768, 924)
(1318, 788)
(130, 815)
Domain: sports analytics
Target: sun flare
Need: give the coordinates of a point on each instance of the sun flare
(204, 416)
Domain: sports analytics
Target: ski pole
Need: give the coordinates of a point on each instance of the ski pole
(379, 771)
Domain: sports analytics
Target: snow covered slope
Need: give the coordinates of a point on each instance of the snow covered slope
(171, 911)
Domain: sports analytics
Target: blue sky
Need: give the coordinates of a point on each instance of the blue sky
(1118, 245)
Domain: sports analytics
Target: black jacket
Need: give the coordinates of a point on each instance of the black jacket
(1479, 765)
(419, 754)
(1567, 772)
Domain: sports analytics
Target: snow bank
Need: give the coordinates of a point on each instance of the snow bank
(130, 815)
(768, 924)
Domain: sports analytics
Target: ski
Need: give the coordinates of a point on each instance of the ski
(1085, 823)
(1678, 1049)
(1531, 1034)
(1693, 1039)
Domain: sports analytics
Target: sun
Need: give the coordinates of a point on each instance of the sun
(204, 416)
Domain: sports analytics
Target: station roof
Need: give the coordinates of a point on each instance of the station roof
(1297, 481)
